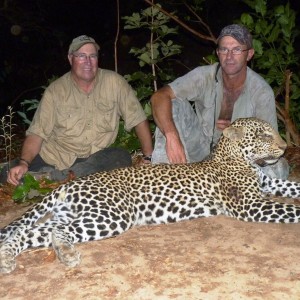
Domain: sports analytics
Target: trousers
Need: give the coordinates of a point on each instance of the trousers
(103, 160)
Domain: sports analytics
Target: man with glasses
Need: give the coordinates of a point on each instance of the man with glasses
(220, 94)
(78, 119)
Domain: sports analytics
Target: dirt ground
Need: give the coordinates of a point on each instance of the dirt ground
(209, 258)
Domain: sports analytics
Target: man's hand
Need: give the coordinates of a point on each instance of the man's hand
(175, 150)
(222, 124)
(16, 173)
(31, 147)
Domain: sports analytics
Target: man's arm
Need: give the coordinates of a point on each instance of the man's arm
(162, 112)
(143, 133)
(31, 147)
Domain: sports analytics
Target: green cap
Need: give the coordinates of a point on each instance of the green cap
(80, 41)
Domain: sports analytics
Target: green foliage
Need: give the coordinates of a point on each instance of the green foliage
(29, 106)
(126, 140)
(142, 83)
(274, 32)
(29, 189)
(152, 59)
(129, 140)
(154, 55)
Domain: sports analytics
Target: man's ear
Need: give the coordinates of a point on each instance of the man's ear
(233, 133)
(250, 54)
(70, 59)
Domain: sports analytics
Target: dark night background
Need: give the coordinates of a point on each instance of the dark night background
(30, 57)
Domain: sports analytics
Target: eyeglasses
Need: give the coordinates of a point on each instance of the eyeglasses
(234, 51)
(84, 57)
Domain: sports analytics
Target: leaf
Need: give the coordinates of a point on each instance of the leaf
(261, 7)
(289, 49)
(283, 20)
(257, 45)
(30, 181)
(279, 10)
(22, 115)
(170, 43)
(132, 22)
(274, 34)
(144, 92)
(20, 192)
(148, 109)
(247, 19)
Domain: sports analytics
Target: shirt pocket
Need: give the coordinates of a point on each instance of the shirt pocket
(70, 118)
(106, 117)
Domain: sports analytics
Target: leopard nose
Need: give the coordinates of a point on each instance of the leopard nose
(282, 146)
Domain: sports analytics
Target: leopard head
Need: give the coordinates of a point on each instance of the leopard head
(253, 140)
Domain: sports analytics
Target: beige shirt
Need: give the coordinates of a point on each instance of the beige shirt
(75, 124)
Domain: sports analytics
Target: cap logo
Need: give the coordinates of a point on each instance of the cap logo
(84, 38)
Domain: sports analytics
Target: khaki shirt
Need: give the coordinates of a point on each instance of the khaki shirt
(204, 86)
(74, 124)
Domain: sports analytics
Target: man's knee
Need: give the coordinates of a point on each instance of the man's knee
(110, 158)
(187, 124)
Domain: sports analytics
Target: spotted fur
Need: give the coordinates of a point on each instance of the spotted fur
(106, 204)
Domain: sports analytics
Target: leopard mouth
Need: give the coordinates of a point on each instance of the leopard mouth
(265, 161)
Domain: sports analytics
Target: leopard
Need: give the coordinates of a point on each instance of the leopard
(106, 204)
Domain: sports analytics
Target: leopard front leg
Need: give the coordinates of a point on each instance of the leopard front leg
(9, 249)
(64, 247)
(22, 239)
(278, 187)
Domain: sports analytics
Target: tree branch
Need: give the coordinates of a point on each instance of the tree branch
(283, 112)
(199, 19)
(210, 37)
(289, 125)
(117, 36)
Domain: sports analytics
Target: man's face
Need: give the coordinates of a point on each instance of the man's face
(84, 63)
(234, 61)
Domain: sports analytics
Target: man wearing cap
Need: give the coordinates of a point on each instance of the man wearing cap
(78, 119)
(221, 93)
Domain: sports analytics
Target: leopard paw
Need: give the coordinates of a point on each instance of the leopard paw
(7, 261)
(66, 253)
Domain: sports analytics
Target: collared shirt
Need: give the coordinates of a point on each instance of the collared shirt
(75, 124)
(204, 86)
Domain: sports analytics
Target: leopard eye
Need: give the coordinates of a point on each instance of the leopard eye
(265, 136)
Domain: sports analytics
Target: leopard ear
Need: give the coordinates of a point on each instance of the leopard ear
(233, 133)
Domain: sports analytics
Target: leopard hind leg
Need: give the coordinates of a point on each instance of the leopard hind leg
(63, 246)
